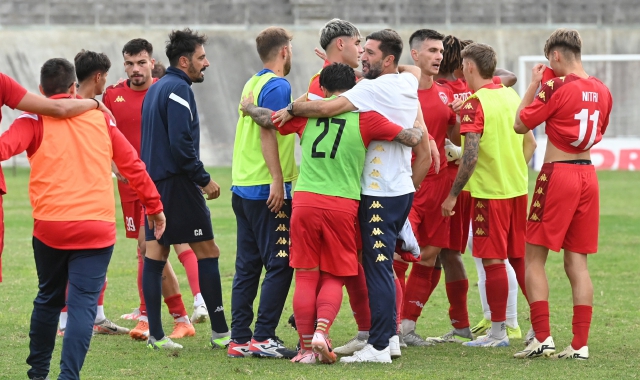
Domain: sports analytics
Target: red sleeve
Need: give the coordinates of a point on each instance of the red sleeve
(471, 117)
(295, 125)
(374, 126)
(133, 169)
(605, 124)
(11, 93)
(540, 109)
(24, 134)
(106, 100)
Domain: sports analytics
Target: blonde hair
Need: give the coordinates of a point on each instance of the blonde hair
(483, 56)
(566, 40)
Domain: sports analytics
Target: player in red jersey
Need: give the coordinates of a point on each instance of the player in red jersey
(564, 212)
(430, 227)
(125, 101)
(451, 76)
(17, 97)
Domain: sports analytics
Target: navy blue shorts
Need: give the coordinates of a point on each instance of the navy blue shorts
(188, 217)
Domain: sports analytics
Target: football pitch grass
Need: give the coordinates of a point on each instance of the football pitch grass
(614, 340)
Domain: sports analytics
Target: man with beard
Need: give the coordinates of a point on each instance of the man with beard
(262, 172)
(124, 99)
(171, 150)
(388, 180)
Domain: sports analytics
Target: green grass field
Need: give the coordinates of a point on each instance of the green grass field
(614, 341)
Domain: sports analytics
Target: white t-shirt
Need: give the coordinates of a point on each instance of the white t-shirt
(387, 167)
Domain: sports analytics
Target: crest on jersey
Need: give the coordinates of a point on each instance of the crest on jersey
(443, 97)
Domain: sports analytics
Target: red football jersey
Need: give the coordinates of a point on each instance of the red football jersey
(576, 112)
(438, 116)
(11, 93)
(126, 106)
(460, 88)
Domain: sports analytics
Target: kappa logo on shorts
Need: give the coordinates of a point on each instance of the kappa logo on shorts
(119, 99)
(282, 228)
(282, 254)
(381, 257)
(536, 204)
(540, 191)
(375, 173)
(374, 186)
(282, 215)
(376, 219)
(377, 232)
(376, 161)
(282, 241)
(480, 232)
(480, 218)
(375, 204)
(480, 205)
(197, 233)
(534, 217)
(378, 148)
(543, 177)
(378, 244)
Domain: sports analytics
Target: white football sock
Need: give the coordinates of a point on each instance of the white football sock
(184, 318)
(198, 300)
(63, 320)
(100, 315)
(512, 300)
(499, 330)
(482, 288)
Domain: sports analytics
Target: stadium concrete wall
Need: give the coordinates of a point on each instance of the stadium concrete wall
(231, 51)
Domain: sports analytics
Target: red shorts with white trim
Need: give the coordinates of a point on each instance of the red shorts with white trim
(499, 227)
(325, 239)
(459, 223)
(133, 218)
(565, 210)
(429, 226)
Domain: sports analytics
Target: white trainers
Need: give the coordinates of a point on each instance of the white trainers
(368, 355)
(200, 314)
(135, 314)
(529, 337)
(394, 347)
(488, 341)
(570, 353)
(351, 346)
(536, 349)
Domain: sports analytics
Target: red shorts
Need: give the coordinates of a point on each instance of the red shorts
(565, 210)
(133, 218)
(358, 237)
(429, 226)
(1, 233)
(459, 223)
(323, 238)
(499, 227)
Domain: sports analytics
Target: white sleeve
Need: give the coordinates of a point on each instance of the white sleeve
(362, 96)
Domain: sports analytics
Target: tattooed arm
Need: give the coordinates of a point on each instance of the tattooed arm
(262, 116)
(468, 165)
(409, 137)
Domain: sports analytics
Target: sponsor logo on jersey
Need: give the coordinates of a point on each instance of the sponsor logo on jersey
(376, 161)
(282, 228)
(376, 219)
(468, 106)
(536, 204)
(119, 99)
(378, 244)
(541, 95)
(418, 304)
(282, 253)
(375, 204)
(377, 232)
(550, 84)
(534, 217)
(378, 148)
(480, 232)
(381, 258)
(443, 97)
(197, 232)
(480, 205)
(282, 241)
(281, 215)
(466, 119)
(543, 177)
(374, 186)
(375, 173)
(540, 191)
(480, 218)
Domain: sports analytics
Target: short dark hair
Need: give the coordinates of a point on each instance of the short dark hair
(483, 56)
(89, 62)
(137, 46)
(56, 76)
(390, 43)
(183, 43)
(337, 77)
(158, 70)
(421, 35)
(270, 40)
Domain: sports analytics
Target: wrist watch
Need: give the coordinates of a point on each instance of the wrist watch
(290, 109)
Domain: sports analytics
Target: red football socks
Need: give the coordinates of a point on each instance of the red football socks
(328, 301)
(101, 297)
(190, 264)
(176, 306)
(435, 279)
(400, 268)
(581, 324)
(359, 299)
(304, 305)
(540, 319)
(398, 304)
(497, 291)
(457, 295)
(518, 267)
(417, 291)
(143, 306)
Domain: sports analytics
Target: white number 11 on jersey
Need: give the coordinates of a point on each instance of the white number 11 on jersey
(584, 118)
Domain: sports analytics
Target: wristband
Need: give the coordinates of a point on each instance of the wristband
(97, 102)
